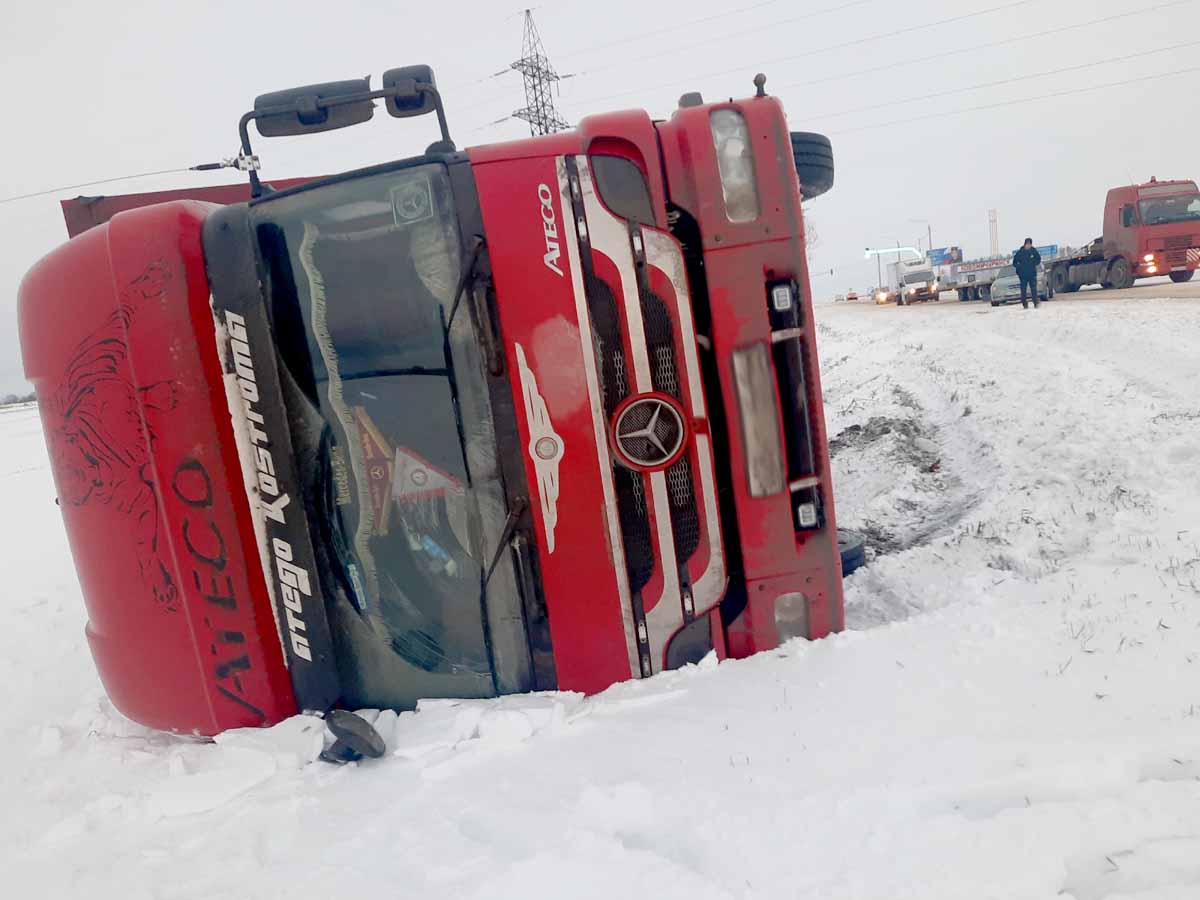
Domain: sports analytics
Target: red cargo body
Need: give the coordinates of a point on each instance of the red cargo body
(143, 454)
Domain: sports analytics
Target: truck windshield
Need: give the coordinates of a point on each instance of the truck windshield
(918, 277)
(1163, 210)
(399, 435)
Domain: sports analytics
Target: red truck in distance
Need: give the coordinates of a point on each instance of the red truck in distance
(1149, 229)
(536, 415)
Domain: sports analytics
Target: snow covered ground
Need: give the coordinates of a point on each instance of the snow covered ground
(1015, 715)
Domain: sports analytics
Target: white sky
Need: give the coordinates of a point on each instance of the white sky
(95, 89)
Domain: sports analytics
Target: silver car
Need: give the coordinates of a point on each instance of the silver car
(1007, 286)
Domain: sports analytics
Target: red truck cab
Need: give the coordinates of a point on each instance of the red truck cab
(1150, 229)
(536, 415)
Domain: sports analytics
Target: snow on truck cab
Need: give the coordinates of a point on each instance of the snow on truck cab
(1149, 229)
(537, 415)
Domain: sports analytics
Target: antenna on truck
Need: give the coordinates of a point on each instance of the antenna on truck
(407, 91)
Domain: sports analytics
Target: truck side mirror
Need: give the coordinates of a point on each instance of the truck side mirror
(303, 110)
(409, 100)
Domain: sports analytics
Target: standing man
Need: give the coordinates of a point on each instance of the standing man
(1026, 262)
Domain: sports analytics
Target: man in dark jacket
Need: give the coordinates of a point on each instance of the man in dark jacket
(1026, 262)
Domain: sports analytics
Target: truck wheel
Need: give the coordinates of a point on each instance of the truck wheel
(853, 550)
(1120, 274)
(963, 295)
(814, 163)
(1059, 279)
(1181, 277)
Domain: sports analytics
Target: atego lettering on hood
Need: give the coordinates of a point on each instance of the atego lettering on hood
(550, 226)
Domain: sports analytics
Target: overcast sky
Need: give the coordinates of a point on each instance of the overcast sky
(96, 89)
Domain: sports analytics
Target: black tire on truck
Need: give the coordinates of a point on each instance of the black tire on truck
(853, 549)
(1060, 279)
(964, 295)
(1120, 274)
(1182, 277)
(814, 163)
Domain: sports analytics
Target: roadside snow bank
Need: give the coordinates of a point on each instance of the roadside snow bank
(1019, 718)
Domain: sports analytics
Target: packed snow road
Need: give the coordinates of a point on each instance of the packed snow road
(1016, 715)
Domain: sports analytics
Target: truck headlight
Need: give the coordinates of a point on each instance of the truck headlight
(1149, 257)
(735, 160)
(762, 432)
(791, 616)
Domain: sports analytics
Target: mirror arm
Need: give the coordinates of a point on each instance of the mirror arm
(248, 153)
(440, 110)
(256, 187)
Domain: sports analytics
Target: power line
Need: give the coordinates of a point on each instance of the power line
(911, 61)
(671, 29)
(985, 46)
(1002, 81)
(830, 48)
(72, 187)
(1067, 93)
(640, 36)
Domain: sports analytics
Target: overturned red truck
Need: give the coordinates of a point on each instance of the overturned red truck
(537, 415)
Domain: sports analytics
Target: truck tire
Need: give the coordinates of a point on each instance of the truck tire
(964, 295)
(1120, 274)
(1182, 277)
(814, 163)
(853, 550)
(1060, 279)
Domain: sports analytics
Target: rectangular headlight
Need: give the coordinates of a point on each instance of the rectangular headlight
(735, 160)
(762, 433)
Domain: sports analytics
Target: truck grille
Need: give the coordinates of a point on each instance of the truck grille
(685, 522)
(1180, 242)
(614, 385)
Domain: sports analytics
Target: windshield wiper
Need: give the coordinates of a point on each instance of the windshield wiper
(510, 525)
(466, 276)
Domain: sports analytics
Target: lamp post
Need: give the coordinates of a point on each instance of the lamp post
(898, 250)
(878, 268)
(928, 230)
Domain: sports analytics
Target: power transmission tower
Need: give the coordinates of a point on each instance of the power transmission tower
(539, 75)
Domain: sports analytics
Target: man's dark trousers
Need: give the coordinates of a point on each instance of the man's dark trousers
(1029, 282)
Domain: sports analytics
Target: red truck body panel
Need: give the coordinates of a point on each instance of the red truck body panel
(148, 478)
(547, 369)
(739, 259)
